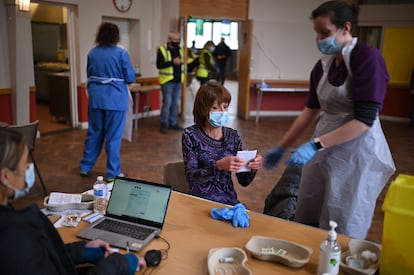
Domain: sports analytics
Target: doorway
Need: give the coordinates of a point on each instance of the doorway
(52, 68)
(239, 32)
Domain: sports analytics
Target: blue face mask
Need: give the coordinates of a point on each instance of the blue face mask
(328, 45)
(29, 178)
(218, 119)
(212, 49)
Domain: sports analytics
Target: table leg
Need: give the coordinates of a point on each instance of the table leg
(137, 94)
(147, 106)
(258, 104)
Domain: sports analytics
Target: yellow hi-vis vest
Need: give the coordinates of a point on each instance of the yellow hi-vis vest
(167, 74)
(202, 70)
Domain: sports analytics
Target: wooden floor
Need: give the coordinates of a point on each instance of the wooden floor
(58, 156)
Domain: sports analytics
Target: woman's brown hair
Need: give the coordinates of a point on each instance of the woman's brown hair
(208, 93)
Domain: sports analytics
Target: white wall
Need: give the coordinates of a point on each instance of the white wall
(4, 52)
(284, 41)
(147, 12)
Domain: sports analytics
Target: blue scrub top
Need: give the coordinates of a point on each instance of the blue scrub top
(109, 70)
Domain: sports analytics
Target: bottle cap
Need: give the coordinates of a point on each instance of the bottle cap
(100, 178)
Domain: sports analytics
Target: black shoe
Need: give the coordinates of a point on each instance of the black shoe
(164, 128)
(176, 127)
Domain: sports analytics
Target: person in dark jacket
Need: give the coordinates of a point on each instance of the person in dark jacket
(29, 241)
(222, 53)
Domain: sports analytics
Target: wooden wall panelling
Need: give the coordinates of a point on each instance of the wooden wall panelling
(225, 9)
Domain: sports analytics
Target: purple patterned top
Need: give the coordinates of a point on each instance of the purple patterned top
(200, 153)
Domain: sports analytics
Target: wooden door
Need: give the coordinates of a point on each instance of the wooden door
(245, 53)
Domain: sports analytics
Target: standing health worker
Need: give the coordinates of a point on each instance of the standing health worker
(109, 70)
(347, 162)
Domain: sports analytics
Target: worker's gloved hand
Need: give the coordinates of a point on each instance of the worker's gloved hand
(272, 157)
(302, 154)
(240, 217)
(223, 214)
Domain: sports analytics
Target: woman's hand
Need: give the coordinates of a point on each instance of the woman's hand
(256, 163)
(100, 243)
(230, 163)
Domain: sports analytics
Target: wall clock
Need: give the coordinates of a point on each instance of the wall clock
(122, 5)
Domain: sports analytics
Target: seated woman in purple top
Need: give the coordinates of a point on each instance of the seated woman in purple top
(209, 148)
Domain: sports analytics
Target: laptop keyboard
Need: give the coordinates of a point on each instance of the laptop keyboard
(126, 229)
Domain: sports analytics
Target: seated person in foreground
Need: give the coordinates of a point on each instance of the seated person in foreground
(29, 241)
(209, 148)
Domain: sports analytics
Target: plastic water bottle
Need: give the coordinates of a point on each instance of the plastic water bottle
(100, 192)
(330, 254)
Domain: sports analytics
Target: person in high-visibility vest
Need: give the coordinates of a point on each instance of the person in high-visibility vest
(207, 68)
(170, 57)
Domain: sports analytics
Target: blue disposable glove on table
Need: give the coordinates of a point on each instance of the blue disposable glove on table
(240, 217)
(223, 214)
(237, 214)
(303, 154)
(272, 157)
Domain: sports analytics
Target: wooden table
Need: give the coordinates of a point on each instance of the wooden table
(136, 90)
(191, 233)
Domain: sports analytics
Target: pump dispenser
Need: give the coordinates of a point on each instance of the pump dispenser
(263, 84)
(330, 253)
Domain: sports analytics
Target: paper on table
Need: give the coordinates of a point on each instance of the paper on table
(247, 155)
(63, 198)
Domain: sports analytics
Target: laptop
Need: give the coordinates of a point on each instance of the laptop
(133, 203)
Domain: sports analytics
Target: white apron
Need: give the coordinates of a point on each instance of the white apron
(342, 183)
(127, 134)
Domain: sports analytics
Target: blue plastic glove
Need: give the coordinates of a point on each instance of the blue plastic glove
(272, 157)
(237, 214)
(240, 217)
(223, 214)
(303, 154)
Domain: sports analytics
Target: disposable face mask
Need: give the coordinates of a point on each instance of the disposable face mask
(218, 119)
(175, 44)
(29, 178)
(212, 49)
(328, 45)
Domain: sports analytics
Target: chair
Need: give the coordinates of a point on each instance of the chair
(30, 133)
(174, 176)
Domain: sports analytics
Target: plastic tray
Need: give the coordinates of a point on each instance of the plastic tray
(86, 203)
(227, 261)
(356, 247)
(281, 251)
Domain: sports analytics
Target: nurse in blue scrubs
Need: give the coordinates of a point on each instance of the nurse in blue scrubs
(109, 70)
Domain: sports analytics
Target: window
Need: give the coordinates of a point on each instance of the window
(201, 31)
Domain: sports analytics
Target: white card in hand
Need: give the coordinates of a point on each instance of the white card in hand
(247, 156)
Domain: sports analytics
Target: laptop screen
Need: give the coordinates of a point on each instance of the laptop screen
(139, 200)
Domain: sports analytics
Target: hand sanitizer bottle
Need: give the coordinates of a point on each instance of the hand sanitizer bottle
(330, 253)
